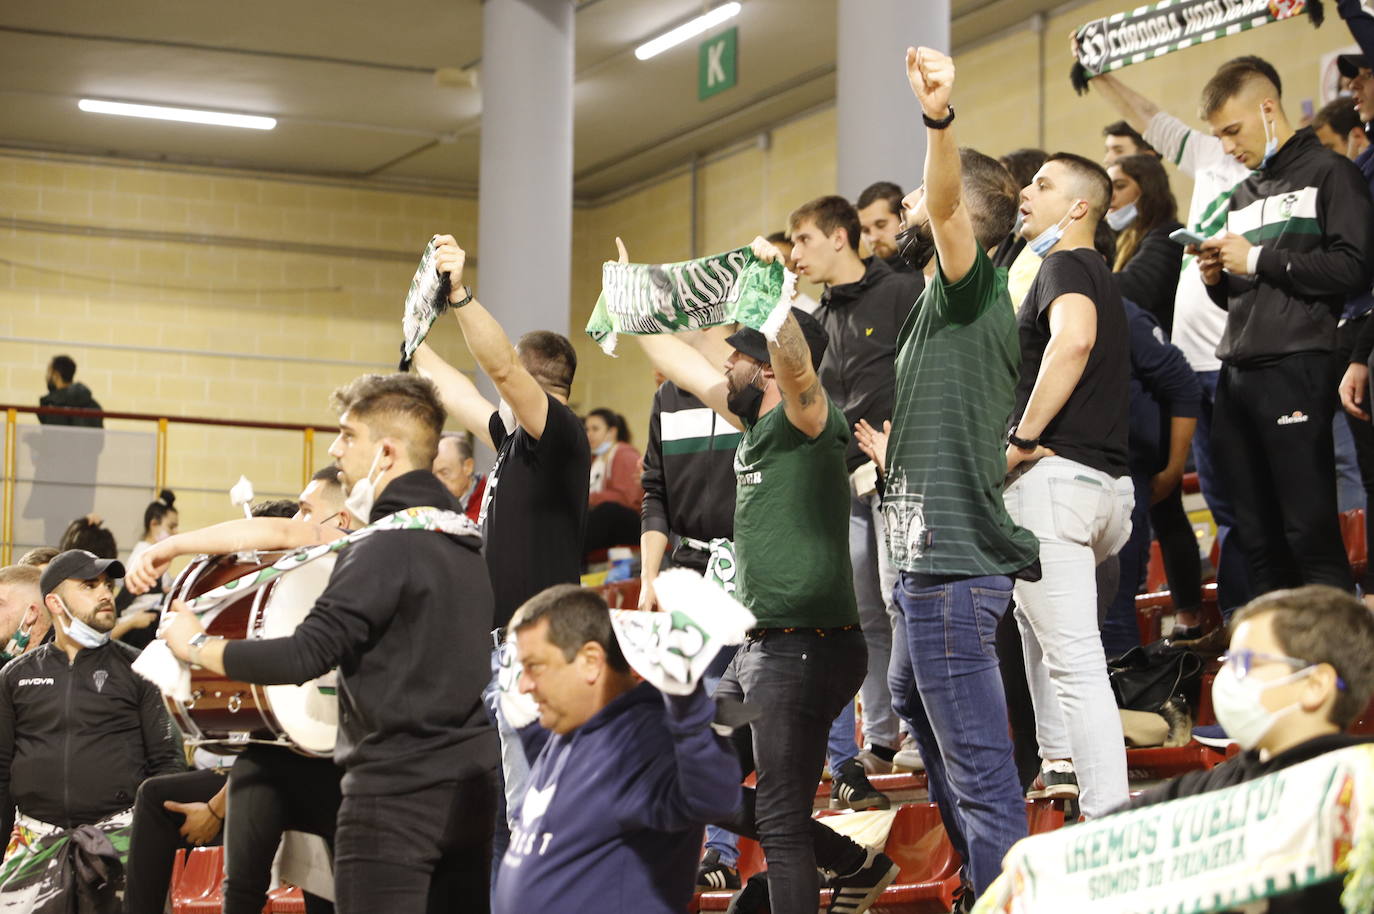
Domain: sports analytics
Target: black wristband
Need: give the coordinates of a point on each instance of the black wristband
(942, 123)
(1025, 444)
(463, 301)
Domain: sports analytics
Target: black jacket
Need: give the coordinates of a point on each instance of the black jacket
(1310, 210)
(73, 396)
(77, 738)
(863, 319)
(689, 468)
(406, 618)
(1150, 277)
(1318, 899)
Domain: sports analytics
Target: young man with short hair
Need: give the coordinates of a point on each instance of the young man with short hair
(880, 219)
(633, 825)
(862, 310)
(24, 623)
(405, 619)
(67, 392)
(1068, 480)
(1120, 139)
(955, 547)
(1298, 243)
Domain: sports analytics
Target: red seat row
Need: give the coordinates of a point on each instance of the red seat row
(197, 880)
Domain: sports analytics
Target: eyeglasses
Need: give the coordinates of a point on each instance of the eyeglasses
(1243, 661)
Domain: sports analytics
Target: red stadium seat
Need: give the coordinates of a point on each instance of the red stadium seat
(196, 883)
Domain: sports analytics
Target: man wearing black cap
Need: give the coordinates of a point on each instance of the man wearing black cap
(79, 731)
(806, 656)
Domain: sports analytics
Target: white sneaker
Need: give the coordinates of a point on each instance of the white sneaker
(908, 757)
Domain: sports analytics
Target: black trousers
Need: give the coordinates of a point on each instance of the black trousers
(1178, 547)
(272, 790)
(156, 835)
(1271, 436)
(424, 852)
(1363, 432)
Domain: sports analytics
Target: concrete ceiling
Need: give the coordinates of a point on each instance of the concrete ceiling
(352, 82)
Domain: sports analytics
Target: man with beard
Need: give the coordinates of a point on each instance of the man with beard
(880, 218)
(404, 618)
(949, 534)
(79, 731)
(805, 658)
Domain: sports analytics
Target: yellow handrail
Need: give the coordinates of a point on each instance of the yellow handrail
(161, 472)
(11, 432)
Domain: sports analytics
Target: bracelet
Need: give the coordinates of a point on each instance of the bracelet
(467, 297)
(942, 123)
(213, 813)
(1025, 444)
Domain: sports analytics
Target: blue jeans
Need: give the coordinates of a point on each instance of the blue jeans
(874, 578)
(1233, 577)
(800, 680)
(947, 687)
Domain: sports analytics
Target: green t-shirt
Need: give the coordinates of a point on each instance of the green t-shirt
(792, 524)
(958, 358)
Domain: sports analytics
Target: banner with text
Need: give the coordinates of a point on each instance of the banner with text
(1156, 29)
(1210, 852)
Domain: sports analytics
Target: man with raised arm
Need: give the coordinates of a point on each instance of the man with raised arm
(806, 657)
(949, 533)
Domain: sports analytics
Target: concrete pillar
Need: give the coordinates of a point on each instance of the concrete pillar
(879, 132)
(524, 222)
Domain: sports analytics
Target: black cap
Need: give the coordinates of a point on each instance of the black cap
(77, 564)
(753, 343)
(1351, 64)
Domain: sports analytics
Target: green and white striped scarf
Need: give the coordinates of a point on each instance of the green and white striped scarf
(646, 298)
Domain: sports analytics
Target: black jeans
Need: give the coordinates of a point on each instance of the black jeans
(1271, 435)
(799, 681)
(272, 790)
(425, 851)
(1178, 547)
(1363, 433)
(156, 835)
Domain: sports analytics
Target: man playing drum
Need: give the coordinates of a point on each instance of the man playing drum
(405, 618)
(269, 789)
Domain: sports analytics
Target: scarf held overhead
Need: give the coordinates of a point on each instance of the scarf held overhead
(646, 298)
(1156, 29)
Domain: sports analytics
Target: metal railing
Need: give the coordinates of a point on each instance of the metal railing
(163, 423)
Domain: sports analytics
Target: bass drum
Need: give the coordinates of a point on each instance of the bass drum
(224, 713)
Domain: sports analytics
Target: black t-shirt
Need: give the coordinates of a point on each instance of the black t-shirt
(1093, 426)
(535, 508)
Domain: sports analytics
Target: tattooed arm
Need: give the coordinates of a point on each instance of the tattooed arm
(802, 397)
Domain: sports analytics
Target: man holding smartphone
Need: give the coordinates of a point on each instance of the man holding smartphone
(1297, 243)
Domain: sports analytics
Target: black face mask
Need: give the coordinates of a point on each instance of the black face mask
(51, 386)
(916, 247)
(746, 403)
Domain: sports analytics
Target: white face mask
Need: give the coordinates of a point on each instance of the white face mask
(1239, 705)
(1119, 219)
(359, 501)
(79, 631)
(602, 448)
(1271, 139)
(1041, 244)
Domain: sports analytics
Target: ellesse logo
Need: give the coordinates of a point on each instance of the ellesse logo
(1293, 418)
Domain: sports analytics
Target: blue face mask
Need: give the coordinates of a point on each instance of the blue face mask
(1119, 219)
(1271, 140)
(1043, 243)
(602, 448)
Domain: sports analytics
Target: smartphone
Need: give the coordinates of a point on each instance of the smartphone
(1185, 237)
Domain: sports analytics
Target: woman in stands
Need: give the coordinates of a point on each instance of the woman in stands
(137, 614)
(615, 494)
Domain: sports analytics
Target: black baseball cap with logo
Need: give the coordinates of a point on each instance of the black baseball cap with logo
(77, 564)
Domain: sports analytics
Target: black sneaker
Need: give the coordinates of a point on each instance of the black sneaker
(856, 893)
(1056, 781)
(753, 898)
(714, 876)
(850, 789)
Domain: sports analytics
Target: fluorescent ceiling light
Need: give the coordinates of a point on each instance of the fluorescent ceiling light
(687, 31)
(186, 115)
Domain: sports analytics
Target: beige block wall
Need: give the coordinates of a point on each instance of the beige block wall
(264, 331)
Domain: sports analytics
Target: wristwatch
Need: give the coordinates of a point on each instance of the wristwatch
(1025, 444)
(193, 646)
(467, 297)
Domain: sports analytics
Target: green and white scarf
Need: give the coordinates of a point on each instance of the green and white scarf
(1210, 852)
(646, 298)
(1160, 28)
(425, 303)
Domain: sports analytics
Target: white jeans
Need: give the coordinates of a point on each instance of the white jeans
(1081, 516)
